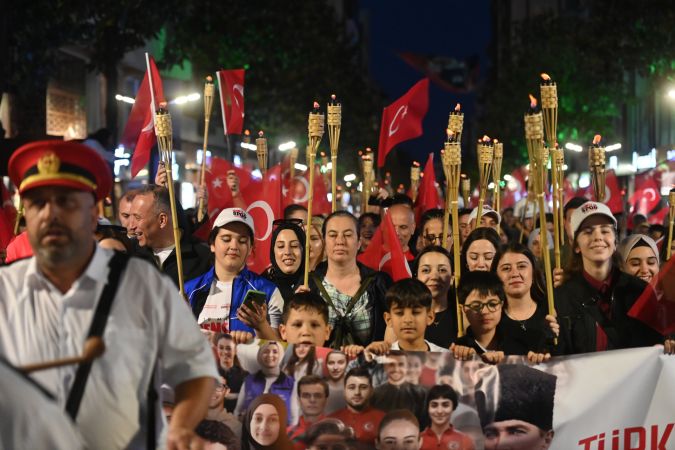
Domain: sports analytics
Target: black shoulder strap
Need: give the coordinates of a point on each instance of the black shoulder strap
(117, 265)
(359, 293)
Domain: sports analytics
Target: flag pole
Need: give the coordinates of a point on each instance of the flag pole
(208, 108)
(164, 133)
(334, 120)
(315, 129)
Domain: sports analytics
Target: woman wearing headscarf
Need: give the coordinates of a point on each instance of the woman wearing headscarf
(639, 256)
(269, 379)
(265, 424)
(287, 255)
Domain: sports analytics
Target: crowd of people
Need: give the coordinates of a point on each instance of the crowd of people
(350, 360)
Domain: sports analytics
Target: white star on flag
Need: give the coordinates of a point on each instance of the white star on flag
(217, 183)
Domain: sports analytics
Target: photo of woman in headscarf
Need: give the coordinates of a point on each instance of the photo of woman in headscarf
(265, 424)
(269, 379)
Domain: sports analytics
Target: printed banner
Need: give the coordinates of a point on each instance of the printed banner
(616, 400)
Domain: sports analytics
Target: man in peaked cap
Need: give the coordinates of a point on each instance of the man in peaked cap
(50, 303)
(516, 408)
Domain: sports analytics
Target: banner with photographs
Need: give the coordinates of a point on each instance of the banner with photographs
(279, 396)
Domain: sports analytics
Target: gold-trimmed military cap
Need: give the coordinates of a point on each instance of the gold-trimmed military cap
(60, 163)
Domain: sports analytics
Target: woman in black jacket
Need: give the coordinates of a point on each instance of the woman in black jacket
(593, 302)
(354, 293)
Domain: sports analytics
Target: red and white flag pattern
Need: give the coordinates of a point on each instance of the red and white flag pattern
(139, 132)
(384, 253)
(402, 120)
(231, 83)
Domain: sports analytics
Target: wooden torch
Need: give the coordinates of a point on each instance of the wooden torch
(334, 121)
(208, 108)
(164, 133)
(315, 130)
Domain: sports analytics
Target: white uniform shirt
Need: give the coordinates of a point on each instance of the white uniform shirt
(148, 320)
(29, 419)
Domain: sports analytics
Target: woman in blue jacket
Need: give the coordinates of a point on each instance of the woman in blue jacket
(217, 297)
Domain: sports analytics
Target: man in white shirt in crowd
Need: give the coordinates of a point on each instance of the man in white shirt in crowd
(48, 304)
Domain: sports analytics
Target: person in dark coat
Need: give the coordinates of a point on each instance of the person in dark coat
(354, 293)
(151, 224)
(594, 300)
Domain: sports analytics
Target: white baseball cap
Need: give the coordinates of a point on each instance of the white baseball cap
(487, 211)
(587, 210)
(230, 215)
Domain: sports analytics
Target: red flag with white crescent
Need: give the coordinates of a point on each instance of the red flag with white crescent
(231, 86)
(263, 198)
(139, 132)
(427, 195)
(402, 120)
(384, 253)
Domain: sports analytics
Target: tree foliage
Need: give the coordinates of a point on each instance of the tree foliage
(294, 53)
(591, 54)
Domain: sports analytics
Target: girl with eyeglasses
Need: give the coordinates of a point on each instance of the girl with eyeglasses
(482, 297)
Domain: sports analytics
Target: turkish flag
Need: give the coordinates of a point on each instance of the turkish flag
(264, 205)
(646, 197)
(402, 120)
(613, 197)
(296, 191)
(656, 306)
(139, 130)
(427, 194)
(385, 253)
(220, 195)
(231, 84)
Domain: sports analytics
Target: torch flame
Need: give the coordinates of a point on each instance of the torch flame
(596, 139)
(533, 101)
(316, 105)
(486, 138)
(333, 97)
(545, 77)
(260, 133)
(458, 107)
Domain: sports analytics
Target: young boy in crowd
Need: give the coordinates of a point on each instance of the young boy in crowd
(482, 296)
(408, 314)
(305, 320)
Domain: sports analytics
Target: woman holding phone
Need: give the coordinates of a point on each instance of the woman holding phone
(229, 298)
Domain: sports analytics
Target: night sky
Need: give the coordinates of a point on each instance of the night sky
(453, 29)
